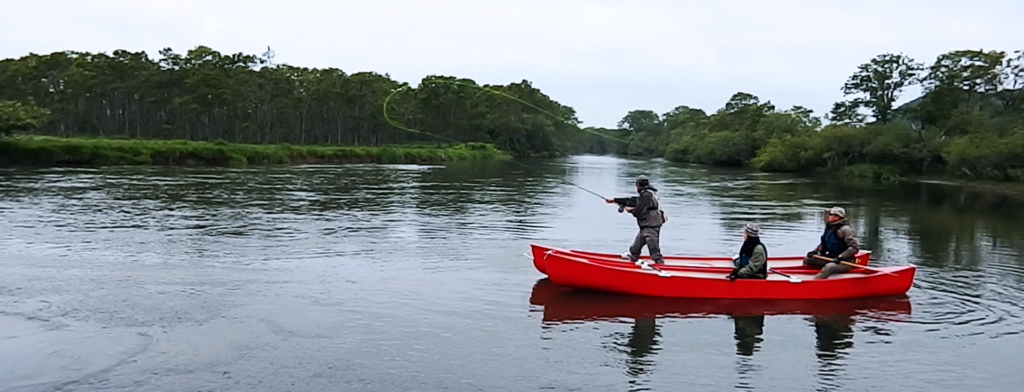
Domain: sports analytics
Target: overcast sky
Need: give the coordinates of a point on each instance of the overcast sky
(604, 58)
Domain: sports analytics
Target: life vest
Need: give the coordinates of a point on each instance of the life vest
(745, 259)
(654, 216)
(831, 244)
(655, 203)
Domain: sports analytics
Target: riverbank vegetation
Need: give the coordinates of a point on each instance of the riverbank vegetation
(204, 95)
(48, 150)
(214, 107)
(969, 122)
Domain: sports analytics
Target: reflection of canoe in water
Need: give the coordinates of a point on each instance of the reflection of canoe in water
(709, 282)
(563, 304)
(540, 251)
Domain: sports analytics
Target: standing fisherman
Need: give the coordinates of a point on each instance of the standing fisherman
(648, 216)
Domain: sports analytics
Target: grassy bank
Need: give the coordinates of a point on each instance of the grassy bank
(54, 151)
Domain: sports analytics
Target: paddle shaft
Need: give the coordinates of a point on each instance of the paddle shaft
(819, 257)
(791, 279)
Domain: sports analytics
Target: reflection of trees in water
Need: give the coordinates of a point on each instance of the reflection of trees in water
(462, 187)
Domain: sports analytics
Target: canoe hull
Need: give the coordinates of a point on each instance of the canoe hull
(563, 304)
(627, 278)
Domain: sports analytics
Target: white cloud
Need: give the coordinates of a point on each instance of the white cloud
(602, 57)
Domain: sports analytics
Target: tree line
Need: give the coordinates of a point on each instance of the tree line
(204, 95)
(969, 121)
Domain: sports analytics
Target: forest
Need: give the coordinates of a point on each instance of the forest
(968, 122)
(205, 95)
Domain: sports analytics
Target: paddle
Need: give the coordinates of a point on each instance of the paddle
(791, 279)
(819, 257)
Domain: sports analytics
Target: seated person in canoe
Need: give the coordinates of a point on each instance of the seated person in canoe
(838, 244)
(752, 261)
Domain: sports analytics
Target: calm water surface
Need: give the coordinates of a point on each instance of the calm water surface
(401, 278)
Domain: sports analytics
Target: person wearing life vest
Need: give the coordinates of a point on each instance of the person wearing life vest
(752, 261)
(838, 243)
(648, 216)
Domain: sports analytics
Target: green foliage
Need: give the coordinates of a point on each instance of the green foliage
(43, 150)
(733, 135)
(847, 113)
(16, 117)
(879, 81)
(602, 141)
(988, 155)
(969, 122)
(204, 95)
(641, 121)
(682, 117)
(968, 70)
(791, 153)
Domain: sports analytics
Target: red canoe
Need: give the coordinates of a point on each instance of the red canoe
(539, 252)
(562, 304)
(571, 270)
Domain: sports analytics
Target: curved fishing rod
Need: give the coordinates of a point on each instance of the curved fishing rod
(404, 128)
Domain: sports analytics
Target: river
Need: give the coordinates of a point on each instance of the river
(407, 277)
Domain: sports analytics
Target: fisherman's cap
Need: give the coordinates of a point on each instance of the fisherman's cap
(838, 211)
(643, 181)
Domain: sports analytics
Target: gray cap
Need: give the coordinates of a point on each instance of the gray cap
(752, 230)
(839, 211)
(643, 181)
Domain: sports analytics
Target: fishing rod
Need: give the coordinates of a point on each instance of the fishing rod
(404, 128)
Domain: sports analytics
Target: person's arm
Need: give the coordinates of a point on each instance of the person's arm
(852, 245)
(626, 201)
(641, 204)
(623, 201)
(757, 260)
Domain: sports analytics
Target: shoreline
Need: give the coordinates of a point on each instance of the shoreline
(90, 151)
(1015, 189)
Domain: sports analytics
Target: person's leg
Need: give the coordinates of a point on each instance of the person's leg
(651, 236)
(831, 269)
(638, 245)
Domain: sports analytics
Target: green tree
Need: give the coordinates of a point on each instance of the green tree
(847, 113)
(973, 71)
(16, 117)
(638, 121)
(1012, 92)
(880, 81)
(682, 116)
(203, 94)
